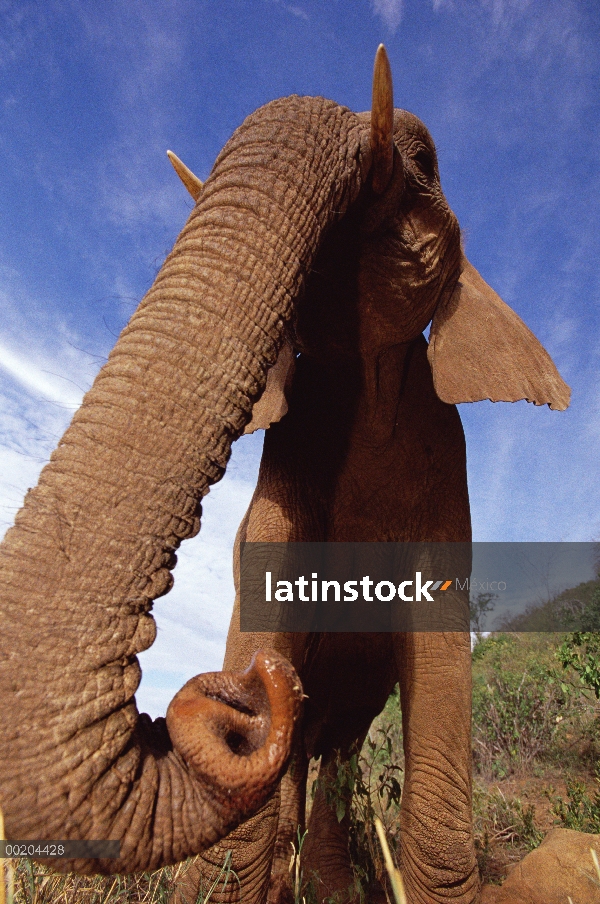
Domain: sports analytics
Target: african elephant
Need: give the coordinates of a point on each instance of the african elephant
(326, 232)
(372, 449)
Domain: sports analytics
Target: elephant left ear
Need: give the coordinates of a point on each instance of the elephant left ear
(480, 349)
(272, 404)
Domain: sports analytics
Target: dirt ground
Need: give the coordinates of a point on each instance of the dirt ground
(502, 845)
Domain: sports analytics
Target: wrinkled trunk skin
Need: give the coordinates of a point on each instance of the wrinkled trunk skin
(96, 539)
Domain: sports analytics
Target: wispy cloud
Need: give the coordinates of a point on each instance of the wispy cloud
(50, 385)
(29, 430)
(500, 10)
(297, 11)
(390, 11)
(42, 381)
(518, 27)
(294, 10)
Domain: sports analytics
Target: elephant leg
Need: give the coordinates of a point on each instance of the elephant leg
(325, 855)
(347, 680)
(292, 817)
(437, 848)
(250, 847)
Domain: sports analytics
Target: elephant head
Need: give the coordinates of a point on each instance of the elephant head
(95, 541)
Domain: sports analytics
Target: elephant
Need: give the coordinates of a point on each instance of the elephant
(318, 250)
(371, 449)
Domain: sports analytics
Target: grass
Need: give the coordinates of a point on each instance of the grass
(34, 883)
(581, 810)
(393, 872)
(536, 741)
(30, 882)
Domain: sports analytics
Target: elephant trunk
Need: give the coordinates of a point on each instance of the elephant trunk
(95, 541)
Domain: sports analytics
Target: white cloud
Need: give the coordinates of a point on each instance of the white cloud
(40, 379)
(29, 432)
(41, 386)
(500, 10)
(503, 10)
(297, 11)
(519, 27)
(390, 11)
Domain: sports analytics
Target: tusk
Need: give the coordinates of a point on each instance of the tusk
(382, 122)
(191, 182)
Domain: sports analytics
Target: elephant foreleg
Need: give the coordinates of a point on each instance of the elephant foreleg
(250, 849)
(291, 822)
(437, 849)
(325, 855)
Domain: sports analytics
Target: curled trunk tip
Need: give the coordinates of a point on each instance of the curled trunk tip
(234, 730)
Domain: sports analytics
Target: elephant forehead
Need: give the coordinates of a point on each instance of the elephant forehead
(409, 128)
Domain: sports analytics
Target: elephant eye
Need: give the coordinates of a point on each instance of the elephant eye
(424, 161)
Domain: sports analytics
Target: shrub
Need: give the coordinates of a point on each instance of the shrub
(518, 705)
(505, 819)
(501, 821)
(581, 649)
(580, 811)
(366, 786)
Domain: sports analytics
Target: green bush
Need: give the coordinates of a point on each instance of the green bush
(506, 819)
(368, 785)
(581, 649)
(501, 822)
(580, 811)
(519, 704)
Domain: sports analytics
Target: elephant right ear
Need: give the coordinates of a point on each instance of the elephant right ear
(480, 349)
(272, 404)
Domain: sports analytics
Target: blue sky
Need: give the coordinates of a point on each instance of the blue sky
(92, 95)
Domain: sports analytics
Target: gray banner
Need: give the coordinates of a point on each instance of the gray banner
(303, 587)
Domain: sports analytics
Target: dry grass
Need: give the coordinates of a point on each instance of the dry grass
(28, 882)
(393, 872)
(25, 881)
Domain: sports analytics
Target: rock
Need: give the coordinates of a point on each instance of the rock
(561, 868)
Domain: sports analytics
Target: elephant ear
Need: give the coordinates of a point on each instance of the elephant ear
(272, 405)
(480, 349)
